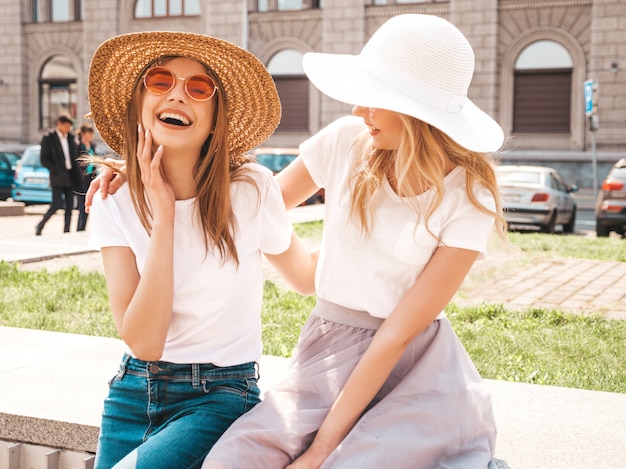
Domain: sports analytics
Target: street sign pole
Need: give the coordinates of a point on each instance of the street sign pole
(589, 88)
(594, 164)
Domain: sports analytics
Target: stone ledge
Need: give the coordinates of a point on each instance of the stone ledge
(11, 209)
(52, 386)
(51, 433)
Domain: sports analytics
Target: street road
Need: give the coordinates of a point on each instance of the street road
(585, 220)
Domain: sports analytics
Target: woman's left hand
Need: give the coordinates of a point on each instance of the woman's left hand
(310, 459)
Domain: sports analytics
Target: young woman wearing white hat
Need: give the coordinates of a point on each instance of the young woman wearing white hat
(182, 241)
(379, 378)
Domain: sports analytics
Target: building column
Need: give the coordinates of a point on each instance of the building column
(225, 20)
(607, 65)
(343, 32)
(14, 124)
(478, 21)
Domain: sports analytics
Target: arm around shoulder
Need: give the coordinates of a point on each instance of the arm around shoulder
(297, 266)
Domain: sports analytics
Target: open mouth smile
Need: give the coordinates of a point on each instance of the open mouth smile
(174, 119)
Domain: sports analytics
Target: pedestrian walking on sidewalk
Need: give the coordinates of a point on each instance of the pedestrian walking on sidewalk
(59, 154)
(379, 378)
(182, 242)
(86, 149)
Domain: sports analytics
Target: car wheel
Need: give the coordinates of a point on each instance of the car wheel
(569, 226)
(601, 230)
(551, 226)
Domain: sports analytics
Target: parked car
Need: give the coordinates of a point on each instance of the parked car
(31, 182)
(8, 163)
(278, 159)
(536, 196)
(275, 159)
(611, 201)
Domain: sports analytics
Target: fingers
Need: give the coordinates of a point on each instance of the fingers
(103, 181)
(144, 154)
(155, 165)
(152, 173)
(115, 183)
(93, 188)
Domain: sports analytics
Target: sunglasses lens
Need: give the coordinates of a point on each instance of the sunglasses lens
(200, 87)
(159, 80)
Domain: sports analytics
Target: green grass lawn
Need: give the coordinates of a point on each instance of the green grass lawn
(535, 346)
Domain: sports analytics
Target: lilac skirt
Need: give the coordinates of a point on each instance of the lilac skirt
(433, 412)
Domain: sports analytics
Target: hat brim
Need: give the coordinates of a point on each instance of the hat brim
(252, 102)
(344, 78)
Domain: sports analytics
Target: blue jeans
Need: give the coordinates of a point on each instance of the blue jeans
(169, 415)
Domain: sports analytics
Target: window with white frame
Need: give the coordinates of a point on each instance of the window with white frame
(283, 5)
(401, 2)
(56, 11)
(163, 8)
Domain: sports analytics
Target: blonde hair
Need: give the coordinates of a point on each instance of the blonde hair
(215, 170)
(420, 163)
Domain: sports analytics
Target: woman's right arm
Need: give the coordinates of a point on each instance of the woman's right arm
(296, 183)
(142, 304)
(139, 324)
(297, 266)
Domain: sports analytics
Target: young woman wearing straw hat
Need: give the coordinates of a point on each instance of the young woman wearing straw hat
(379, 378)
(182, 241)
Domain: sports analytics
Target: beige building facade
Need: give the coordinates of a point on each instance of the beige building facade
(532, 58)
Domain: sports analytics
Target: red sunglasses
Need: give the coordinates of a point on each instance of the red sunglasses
(160, 80)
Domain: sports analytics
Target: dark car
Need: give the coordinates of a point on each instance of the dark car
(611, 202)
(31, 183)
(278, 159)
(536, 196)
(8, 163)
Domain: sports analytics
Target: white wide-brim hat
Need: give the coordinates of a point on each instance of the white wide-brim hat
(419, 65)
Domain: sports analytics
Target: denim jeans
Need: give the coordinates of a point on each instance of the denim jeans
(169, 415)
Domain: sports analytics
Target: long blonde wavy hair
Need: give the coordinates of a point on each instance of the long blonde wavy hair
(215, 170)
(419, 164)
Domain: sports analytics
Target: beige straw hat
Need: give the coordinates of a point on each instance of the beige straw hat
(251, 98)
(419, 65)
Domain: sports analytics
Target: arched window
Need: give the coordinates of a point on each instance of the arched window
(542, 89)
(159, 8)
(293, 89)
(57, 91)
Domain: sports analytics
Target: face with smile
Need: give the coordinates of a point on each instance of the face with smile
(384, 126)
(174, 118)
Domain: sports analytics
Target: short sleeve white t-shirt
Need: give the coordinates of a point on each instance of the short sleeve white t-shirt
(373, 273)
(217, 306)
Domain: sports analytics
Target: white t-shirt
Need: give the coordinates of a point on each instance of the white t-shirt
(217, 307)
(372, 274)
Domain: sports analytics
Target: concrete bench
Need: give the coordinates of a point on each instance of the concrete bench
(52, 386)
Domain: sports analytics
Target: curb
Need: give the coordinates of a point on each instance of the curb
(11, 209)
(32, 260)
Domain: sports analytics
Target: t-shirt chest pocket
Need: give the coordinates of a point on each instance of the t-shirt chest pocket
(415, 244)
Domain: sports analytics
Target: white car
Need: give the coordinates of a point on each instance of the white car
(536, 196)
